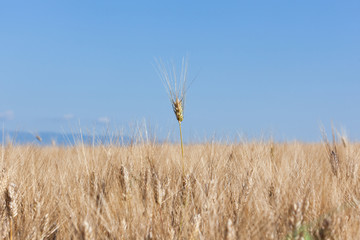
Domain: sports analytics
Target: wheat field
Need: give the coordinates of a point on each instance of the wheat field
(249, 190)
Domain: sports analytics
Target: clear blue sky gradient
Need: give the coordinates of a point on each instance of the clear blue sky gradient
(279, 68)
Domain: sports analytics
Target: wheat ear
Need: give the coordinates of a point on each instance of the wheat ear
(11, 205)
(86, 231)
(230, 233)
(176, 89)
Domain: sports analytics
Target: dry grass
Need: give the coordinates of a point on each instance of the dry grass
(243, 191)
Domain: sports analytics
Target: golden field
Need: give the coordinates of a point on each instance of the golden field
(253, 190)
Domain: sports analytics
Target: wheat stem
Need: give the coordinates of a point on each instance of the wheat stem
(182, 151)
(11, 229)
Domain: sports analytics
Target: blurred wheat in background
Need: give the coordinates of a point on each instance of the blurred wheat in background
(250, 190)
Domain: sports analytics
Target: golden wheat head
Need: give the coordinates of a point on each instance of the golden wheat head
(175, 85)
(178, 109)
(176, 89)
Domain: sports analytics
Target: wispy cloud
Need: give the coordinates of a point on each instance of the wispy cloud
(7, 115)
(104, 120)
(68, 116)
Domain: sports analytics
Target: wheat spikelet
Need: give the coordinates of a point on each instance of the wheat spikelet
(32, 235)
(86, 231)
(145, 194)
(295, 219)
(11, 198)
(178, 107)
(97, 190)
(3, 180)
(124, 181)
(272, 151)
(344, 141)
(325, 229)
(332, 152)
(171, 233)
(149, 234)
(185, 184)
(93, 184)
(124, 228)
(196, 234)
(124, 225)
(165, 188)
(329, 228)
(334, 161)
(145, 185)
(11, 205)
(175, 86)
(246, 187)
(38, 138)
(35, 212)
(230, 233)
(158, 193)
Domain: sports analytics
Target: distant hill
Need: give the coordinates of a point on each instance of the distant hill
(63, 139)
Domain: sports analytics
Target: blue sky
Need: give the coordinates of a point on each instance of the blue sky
(279, 68)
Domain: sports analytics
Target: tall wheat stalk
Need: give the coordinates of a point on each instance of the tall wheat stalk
(175, 85)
